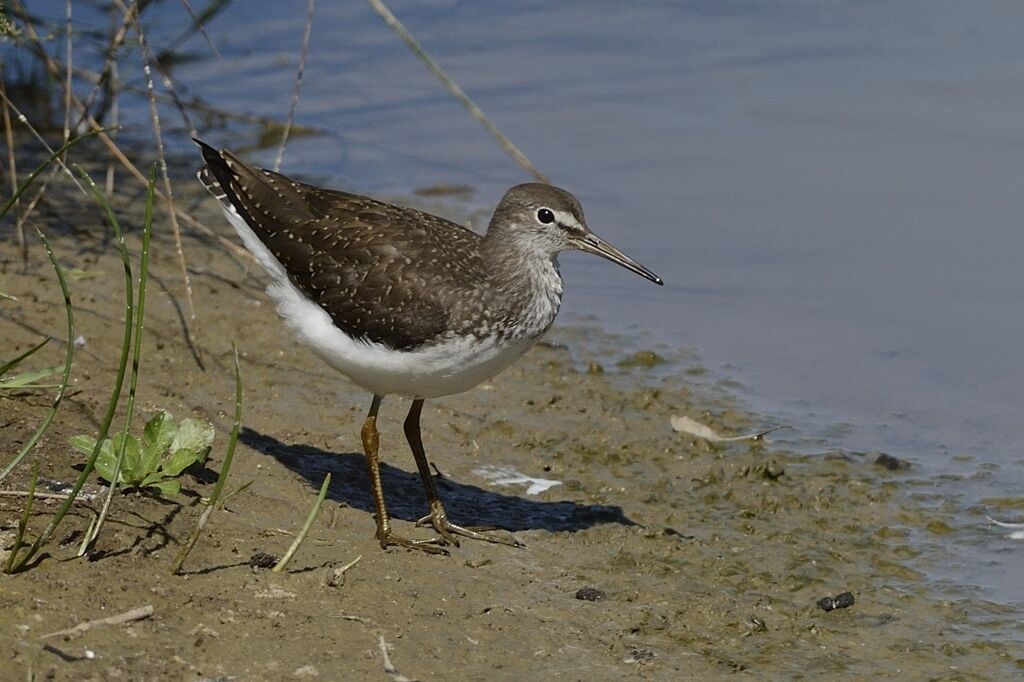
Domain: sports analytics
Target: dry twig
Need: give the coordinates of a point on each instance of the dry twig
(192, 330)
(298, 84)
(139, 613)
(455, 90)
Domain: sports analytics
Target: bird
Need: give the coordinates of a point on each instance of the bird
(404, 302)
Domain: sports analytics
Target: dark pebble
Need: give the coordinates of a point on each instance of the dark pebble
(262, 560)
(589, 594)
(891, 463)
(843, 600)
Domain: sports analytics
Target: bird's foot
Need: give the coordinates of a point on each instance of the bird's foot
(438, 520)
(430, 546)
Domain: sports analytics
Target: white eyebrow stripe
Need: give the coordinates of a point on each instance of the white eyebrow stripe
(565, 218)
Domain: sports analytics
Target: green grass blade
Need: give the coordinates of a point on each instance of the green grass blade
(280, 565)
(11, 364)
(140, 313)
(23, 523)
(222, 477)
(28, 379)
(68, 359)
(34, 174)
(236, 426)
(115, 397)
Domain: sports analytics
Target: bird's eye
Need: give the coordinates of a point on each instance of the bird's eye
(546, 216)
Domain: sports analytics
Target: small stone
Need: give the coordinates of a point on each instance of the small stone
(589, 594)
(262, 560)
(844, 600)
(638, 655)
(891, 463)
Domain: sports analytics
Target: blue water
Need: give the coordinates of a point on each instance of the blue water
(831, 191)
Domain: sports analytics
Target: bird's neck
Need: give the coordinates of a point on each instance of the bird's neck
(524, 275)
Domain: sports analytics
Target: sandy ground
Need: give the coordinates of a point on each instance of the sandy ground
(701, 561)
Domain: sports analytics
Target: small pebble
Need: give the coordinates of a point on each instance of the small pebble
(638, 655)
(843, 600)
(262, 560)
(589, 594)
(891, 463)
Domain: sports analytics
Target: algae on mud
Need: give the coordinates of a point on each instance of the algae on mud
(711, 557)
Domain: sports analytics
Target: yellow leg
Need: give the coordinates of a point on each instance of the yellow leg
(371, 446)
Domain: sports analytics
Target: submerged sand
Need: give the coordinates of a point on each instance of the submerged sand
(656, 556)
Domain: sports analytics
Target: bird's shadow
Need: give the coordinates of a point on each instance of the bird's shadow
(403, 491)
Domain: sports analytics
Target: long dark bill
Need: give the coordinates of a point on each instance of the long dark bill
(591, 243)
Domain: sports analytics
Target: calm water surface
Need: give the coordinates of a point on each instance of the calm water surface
(831, 191)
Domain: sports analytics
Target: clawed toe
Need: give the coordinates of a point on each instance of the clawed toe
(430, 546)
(438, 520)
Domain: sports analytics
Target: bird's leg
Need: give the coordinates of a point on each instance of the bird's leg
(371, 445)
(437, 517)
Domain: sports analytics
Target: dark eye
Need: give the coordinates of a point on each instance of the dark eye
(546, 216)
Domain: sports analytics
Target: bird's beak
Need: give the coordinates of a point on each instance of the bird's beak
(591, 243)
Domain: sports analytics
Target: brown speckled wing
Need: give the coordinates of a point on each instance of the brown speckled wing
(383, 273)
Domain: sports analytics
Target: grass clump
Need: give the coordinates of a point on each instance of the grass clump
(154, 462)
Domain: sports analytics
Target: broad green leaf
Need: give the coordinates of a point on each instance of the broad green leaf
(179, 461)
(195, 435)
(83, 444)
(132, 471)
(158, 436)
(167, 487)
(106, 461)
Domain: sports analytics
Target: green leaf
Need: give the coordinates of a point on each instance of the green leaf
(154, 477)
(83, 444)
(179, 461)
(159, 432)
(131, 471)
(195, 435)
(106, 461)
(156, 438)
(167, 487)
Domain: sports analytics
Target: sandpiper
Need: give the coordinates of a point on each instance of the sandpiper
(404, 302)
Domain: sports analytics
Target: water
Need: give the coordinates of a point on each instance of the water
(831, 191)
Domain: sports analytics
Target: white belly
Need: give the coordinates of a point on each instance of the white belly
(453, 366)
